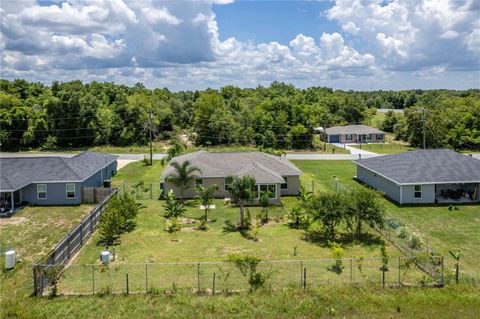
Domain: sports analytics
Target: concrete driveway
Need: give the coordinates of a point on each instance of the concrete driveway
(353, 150)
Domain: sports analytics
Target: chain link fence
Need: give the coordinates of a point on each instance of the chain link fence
(226, 277)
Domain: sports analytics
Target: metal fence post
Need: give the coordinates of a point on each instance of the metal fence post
(443, 282)
(146, 278)
(93, 279)
(305, 278)
(126, 282)
(301, 274)
(351, 270)
(151, 191)
(213, 288)
(399, 280)
(198, 277)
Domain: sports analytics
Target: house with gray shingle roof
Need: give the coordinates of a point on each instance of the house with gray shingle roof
(274, 174)
(423, 176)
(52, 180)
(353, 134)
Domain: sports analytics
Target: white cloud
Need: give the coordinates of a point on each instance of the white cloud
(413, 34)
(160, 42)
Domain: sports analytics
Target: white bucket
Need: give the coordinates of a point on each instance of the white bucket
(105, 257)
(10, 259)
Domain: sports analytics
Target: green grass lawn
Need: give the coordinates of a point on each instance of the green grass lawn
(33, 232)
(382, 148)
(443, 229)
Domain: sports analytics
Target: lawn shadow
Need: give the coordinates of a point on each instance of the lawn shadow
(345, 239)
(230, 227)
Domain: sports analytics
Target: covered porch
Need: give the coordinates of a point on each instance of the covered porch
(10, 202)
(457, 193)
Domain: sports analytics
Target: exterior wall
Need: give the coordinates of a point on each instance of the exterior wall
(293, 186)
(372, 138)
(56, 195)
(380, 183)
(221, 193)
(57, 192)
(428, 194)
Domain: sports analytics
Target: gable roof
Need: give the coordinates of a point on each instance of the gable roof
(18, 172)
(434, 166)
(353, 129)
(264, 167)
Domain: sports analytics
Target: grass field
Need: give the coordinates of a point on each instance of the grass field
(443, 229)
(382, 148)
(33, 232)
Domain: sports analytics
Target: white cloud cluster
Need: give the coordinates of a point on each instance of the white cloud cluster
(414, 34)
(169, 43)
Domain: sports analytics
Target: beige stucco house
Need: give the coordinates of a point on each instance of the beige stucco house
(274, 174)
(353, 134)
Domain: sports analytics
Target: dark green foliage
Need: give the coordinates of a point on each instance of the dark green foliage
(118, 218)
(248, 267)
(279, 116)
(329, 210)
(243, 191)
(183, 176)
(205, 196)
(363, 206)
(173, 208)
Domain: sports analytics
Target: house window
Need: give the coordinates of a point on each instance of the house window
(70, 190)
(418, 191)
(162, 186)
(228, 182)
(349, 137)
(198, 182)
(284, 185)
(379, 136)
(41, 191)
(271, 189)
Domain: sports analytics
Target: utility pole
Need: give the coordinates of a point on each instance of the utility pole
(324, 136)
(423, 122)
(150, 135)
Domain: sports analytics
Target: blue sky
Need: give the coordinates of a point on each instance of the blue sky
(344, 44)
(267, 21)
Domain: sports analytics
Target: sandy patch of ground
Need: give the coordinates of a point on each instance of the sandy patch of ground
(124, 162)
(12, 221)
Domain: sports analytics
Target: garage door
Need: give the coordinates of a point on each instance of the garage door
(334, 138)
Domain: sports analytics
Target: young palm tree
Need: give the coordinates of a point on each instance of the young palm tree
(205, 196)
(265, 202)
(243, 192)
(183, 176)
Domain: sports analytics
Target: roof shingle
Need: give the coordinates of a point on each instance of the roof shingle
(265, 168)
(18, 172)
(425, 166)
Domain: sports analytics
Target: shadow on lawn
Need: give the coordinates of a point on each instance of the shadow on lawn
(231, 227)
(345, 239)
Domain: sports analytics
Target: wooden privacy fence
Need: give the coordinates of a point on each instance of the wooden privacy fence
(68, 246)
(95, 194)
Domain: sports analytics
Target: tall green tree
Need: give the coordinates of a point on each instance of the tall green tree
(363, 206)
(243, 191)
(183, 176)
(205, 195)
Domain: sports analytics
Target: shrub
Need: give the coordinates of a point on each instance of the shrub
(173, 208)
(172, 225)
(403, 233)
(50, 144)
(248, 267)
(415, 242)
(337, 253)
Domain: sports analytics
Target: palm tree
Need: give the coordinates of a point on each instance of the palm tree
(265, 202)
(243, 192)
(205, 196)
(183, 176)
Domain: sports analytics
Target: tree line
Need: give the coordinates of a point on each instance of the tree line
(280, 116)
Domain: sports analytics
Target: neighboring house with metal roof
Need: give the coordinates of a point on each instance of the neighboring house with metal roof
(274, 174)
(52, 180)
(423, 176)
(353, 134)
